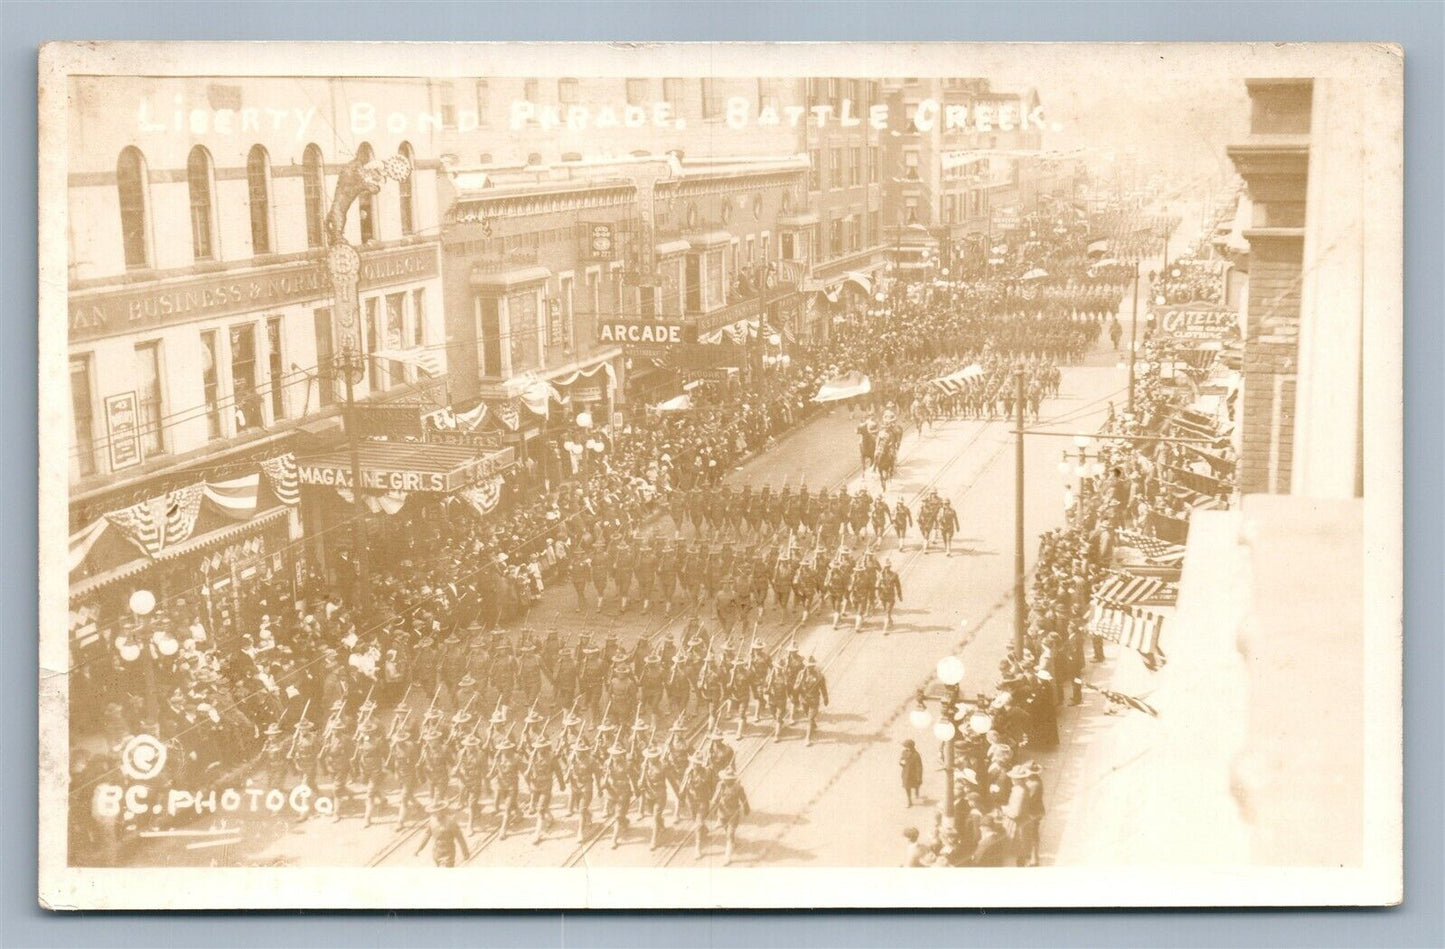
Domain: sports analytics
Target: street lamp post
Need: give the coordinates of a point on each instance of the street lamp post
(949, 671)
(352, 366)
(142, 603)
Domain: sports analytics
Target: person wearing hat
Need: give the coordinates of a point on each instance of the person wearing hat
(910, 764)
(652, 784)
(444, 835)
(810, 694)
(337, 751)
(580, 775)
(304, 753)
(404, 758)
(730, 803)
(1025, 811)
(506, 772)
(699, 783)
(371, 755)
(274, 756)
(543, 771)
(619, 784)
(471, 773)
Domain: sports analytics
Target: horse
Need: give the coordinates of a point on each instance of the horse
(867, 445)
(885, 454)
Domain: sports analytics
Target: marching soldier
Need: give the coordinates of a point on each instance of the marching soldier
(730, 803)
(581, 777)
(444, 835)
(947, 525)
(890, 591)
(433, 760)
(652, 790)
(698, 784)
(811, 689)
(371, 761)
(404, 755)
(646, 574)
(505, 772)
(579, 571)
(274, 756)
(471, 772)
(305, 752)
(861, 589)
(667, 570)
(337, 749)
(618, 784)
(542, 774)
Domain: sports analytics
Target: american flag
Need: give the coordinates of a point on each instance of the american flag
(1154, 549)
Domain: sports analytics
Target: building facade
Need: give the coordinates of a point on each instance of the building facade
(200, 340)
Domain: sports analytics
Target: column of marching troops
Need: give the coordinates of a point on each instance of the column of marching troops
(620, 738)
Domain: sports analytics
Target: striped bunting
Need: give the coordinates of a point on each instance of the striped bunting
(1123, 589)
(283, 478)
(1133, 629)
(236, 497)
(1154, 550)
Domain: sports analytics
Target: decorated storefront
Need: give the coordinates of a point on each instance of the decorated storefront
(201, 550)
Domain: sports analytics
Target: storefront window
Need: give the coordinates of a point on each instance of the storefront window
(246, 401)
(211, 384)
(277, 368)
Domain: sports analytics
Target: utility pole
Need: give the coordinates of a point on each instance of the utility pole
(1020, 607)
(1133, 329)
(343, 263)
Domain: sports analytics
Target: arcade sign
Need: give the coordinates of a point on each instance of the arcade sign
(645, 332)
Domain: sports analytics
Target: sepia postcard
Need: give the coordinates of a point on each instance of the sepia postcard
(720, 475)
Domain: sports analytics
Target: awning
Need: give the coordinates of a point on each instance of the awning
(211, 538)
(89, 585)
(507, 279)
(404, 466)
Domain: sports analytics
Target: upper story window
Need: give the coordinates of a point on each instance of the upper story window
(258, 192)
(201, 181)
(313, 183)
(366, 204)
(404, 190)
(130, 182)
(567, 91)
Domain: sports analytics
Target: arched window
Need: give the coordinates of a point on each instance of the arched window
(366, 204)
(130, 182)
(313, 182)
(258, 190)
(408, 223)
(200, 179)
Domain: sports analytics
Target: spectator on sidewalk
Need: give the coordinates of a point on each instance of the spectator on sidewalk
(910, 764)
